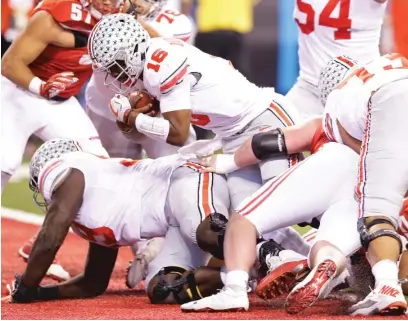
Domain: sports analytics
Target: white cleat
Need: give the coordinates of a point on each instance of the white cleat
(383, 300)
(225, 300)
(57, 272)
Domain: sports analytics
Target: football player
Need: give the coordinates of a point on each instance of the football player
(330, 28)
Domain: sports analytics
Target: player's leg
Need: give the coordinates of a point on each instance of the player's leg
(19, 104)
(178, 273)
(305, 97)
(193, 196)
(382, 184)
(332, 172)
(328, 255)
(271, 208)
(68, 119)
(18, 121)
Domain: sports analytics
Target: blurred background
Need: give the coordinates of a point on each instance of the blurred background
(258, 36)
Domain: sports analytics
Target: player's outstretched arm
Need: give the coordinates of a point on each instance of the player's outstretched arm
(94, 281)
(65, 203)
(264, 145)
(41, 31)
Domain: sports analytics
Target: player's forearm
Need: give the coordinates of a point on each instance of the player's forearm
(16, 71)
(80, 287)
(299, 138)
(245, 156)
(46, 246)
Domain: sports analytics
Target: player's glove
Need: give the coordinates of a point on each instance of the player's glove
(120, 107)
(54, 86)
(20, 293)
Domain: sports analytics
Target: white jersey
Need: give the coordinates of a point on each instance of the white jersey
(123, 200)
(221, 99)
(168, 23)
(330, 28)
(348, 103)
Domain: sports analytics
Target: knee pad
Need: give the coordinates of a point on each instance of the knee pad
(218, 224)
(366, 237)
(183, 288)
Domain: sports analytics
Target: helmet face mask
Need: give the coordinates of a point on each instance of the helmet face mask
(149, 9)
(50, 150)
(99, 8)
(336, 70)
(117, 46)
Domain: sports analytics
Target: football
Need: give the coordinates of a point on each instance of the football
(145, 100)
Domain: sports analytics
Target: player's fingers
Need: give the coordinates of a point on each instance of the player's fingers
(145, 109)
(135, 97)
(66, 74)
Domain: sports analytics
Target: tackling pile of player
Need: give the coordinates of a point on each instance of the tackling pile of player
(237, 206)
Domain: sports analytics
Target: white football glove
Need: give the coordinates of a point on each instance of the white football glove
(120, 107)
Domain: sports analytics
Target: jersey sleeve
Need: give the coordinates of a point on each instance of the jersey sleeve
(70, 14)
(166, 67)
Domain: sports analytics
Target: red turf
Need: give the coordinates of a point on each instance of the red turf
(119, 302)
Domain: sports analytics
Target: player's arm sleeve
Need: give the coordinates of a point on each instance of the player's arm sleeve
(64, 206)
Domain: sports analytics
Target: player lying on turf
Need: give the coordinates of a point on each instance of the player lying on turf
(361, 106)
(116, 202)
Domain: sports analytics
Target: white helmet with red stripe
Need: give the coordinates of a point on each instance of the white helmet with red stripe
(99, 8)
(117, 46)
(149, 9)
(335, 71)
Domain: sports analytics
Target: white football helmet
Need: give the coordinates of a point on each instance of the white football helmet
(153, 7)
(50, 150)
(99, 8)
(335, 71)
(117, 46)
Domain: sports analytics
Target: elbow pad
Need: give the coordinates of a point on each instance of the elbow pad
(269, 144)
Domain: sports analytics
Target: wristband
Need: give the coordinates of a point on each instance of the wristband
(225, 164)
(35, 86)
(47, 293)
(154, 127)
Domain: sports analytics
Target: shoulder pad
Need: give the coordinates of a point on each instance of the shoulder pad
(69, 13)
(166, 65)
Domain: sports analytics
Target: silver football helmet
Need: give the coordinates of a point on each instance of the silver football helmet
(335, 71)
(52, 149)
(117, 46)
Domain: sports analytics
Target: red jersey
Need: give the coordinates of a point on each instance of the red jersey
(319, 139)
(71, 15)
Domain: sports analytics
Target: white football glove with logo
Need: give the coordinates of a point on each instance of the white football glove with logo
(120, 107)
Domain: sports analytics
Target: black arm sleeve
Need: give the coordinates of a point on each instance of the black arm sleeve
(269, 144)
